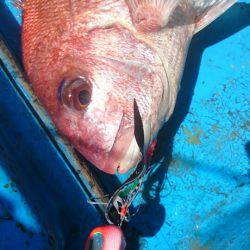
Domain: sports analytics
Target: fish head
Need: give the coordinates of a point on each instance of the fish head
(88, 61)
(94, 115)
(88, 84)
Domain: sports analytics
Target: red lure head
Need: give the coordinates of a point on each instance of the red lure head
(106, 238)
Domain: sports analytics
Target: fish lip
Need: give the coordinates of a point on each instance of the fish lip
(109, 162)
(131, 158)
(120, 148)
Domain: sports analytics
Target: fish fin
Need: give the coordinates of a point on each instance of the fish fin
(209, 11)
(151, 15)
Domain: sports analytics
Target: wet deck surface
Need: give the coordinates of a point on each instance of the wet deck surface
(197, 196)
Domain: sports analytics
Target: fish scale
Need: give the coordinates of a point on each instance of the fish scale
(172, 44)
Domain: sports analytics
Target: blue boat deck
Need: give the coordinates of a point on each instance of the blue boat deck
(198, 193)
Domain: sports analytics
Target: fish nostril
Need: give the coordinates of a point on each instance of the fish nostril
(59, 91)
(75, 93)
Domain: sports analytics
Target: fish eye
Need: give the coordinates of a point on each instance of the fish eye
(84, 97)
(76, 93)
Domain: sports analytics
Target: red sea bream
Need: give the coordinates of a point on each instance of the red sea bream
(88, 60)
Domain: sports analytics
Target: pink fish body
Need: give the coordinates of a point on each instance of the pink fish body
(88, 60)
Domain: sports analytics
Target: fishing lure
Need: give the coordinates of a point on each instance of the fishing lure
(117, 210)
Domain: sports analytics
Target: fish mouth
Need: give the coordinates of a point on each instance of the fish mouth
(121, 160)
(124, 154)
(131, 158)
